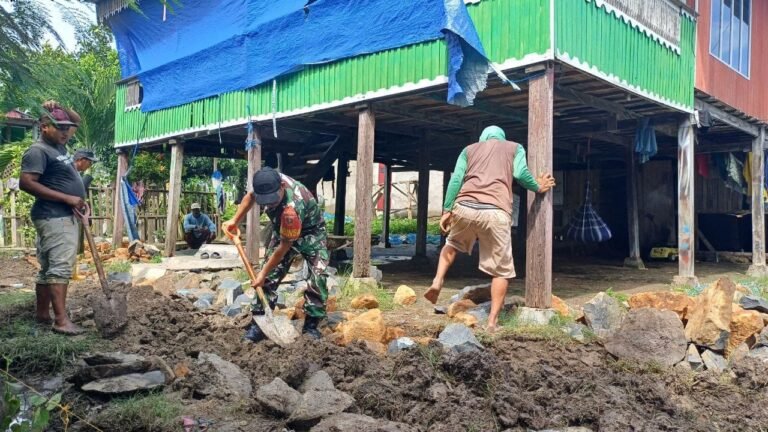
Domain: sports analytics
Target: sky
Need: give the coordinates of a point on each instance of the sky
(83, 12)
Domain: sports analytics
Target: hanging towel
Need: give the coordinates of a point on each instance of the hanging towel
(645, 141)
(216, 179)
(702, 165)
(129, 203)
(586, 225)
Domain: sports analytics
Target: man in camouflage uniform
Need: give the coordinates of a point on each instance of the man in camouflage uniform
(298, 229)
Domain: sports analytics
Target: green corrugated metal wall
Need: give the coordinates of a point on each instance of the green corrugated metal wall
(509, 29)
(589, 34)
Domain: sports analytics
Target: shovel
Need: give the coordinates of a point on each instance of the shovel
(110, 313)
(279, 329)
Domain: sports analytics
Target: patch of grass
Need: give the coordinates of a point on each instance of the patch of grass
(154, 412)
(15, 300)
(756, 286)
(350, 290)
(30, 347)
(620, 297)
(552, 332)
(157, 259)
(240, 275)
(689, 290)
(119, 266)
(626, 366)
(396, 226)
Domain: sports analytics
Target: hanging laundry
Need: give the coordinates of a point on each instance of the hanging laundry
(138, 189)
(218, 187)
(731, 171)
(702, 165)
(586, 225)
(645, 141)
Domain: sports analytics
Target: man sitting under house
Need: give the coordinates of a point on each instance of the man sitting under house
(198, 228)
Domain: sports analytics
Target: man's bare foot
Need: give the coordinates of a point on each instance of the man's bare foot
(68, 328)
(45, 320)
(432, 294)
(491, 329)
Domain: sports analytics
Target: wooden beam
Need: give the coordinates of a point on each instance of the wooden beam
(686, 209)
(758, 267)
(538, 281)
(422, 203)
(387, 205)
(437, 120)
(174, 198)
(118, 224)
(489, 107)
(633, 214)
(253, 217)
(361, 266)
(727, 118)
(596, 102)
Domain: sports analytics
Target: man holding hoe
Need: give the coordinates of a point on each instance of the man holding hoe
(478, 206)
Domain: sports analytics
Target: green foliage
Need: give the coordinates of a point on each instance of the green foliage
(349, 290)
(36, 421)
(552, 332)
(119, 266)
(157, 259)
(396, 226)
(30, 348)
(155, 412)
(15, 300)
(152, 168)
(757, 287)
(689, 290)
(620, 297)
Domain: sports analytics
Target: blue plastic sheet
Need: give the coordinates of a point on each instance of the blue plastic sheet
(209, 47)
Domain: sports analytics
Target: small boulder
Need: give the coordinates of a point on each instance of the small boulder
(377, 348)
(603, 314)
(440, 310)
(693, 358)
(477, 293)
(400, 344)
(393, 333)
(364, 301)
(228, 291)
(649, 335)
(458, 338)
(481, 312)
(231, 310)
(535, 317)
(368, 326)
(750, 302)
(744, 324)
(460, 306)
(202, 304)
(279, 397)
(348, 422)
(191, 282)
(315, 405)
(560, 306)
(243, 300)
(223, 378)
(125, 384)
(319, 381)
(713, 361)
(405, 295)
(762, 338)
(709, 321)
(466, 319)
(738, 353)
(678, 303)
(575, 331)
(760, 353)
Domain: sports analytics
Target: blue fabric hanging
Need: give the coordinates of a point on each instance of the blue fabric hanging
(645, 141)
(216, 179)
(129, 203)
(210, 47)
(587, 226)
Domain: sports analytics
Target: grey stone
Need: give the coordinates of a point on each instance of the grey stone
(693, 358)
(759, 353)
(109, 365)
(191, 282)
(441, 310)
(481, 312)
(319, 381)
(333, 284)
(223, 379)
(121, 277)
(315, 405)
(231, 310)
(377, 274)
(458, 338)
(739, 353)
(649, 335)
(713, 361)
(684, 366)
(205, 286)
(575, 331)
(348, 422)
(279, 397)
(111, 358)
(207, 277)
(243, 300)
(128, 383)
(334, 319)
(751, 302)
(206, 296)
(476, 293)
(762, 338)
(202, 304)
(228, 291)
(400, 344)
(603, 314)
(532, 316)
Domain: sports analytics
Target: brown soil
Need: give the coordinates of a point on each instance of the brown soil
(514, 384)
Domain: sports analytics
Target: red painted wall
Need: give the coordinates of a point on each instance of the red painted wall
(717, 79)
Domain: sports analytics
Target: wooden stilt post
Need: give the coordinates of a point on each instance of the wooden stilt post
(15, 238)
(633, 219)
(686, 210)
(174, 198)
(422, 205)
(758, 267)
(118, 224)
(538, 281)
(446, 181)
(387, 206)
(363, 191)
(252, 221)
(341, 194)
(519, 244)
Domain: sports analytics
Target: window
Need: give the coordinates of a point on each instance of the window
(729, 33)
(134, 93)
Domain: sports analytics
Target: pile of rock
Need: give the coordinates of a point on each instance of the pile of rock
(721, 325)
(135, 251)
(116, 374)
(318, 405)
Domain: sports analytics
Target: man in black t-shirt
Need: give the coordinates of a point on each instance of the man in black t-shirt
(48, 173)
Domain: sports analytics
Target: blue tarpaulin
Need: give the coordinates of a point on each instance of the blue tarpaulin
(209, 47)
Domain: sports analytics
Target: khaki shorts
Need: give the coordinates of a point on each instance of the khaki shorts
(493, 229)
(57, 244)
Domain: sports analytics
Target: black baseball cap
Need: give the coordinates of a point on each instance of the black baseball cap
(85, 154)
(266, 184)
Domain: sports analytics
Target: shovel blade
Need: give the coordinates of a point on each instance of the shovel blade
(277, 328)
(110, 314)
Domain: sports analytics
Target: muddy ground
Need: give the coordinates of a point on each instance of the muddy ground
(514, 384)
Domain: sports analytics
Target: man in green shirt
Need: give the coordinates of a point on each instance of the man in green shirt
(478, 207)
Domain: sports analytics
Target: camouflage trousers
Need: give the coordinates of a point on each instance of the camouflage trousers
(312, 247)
